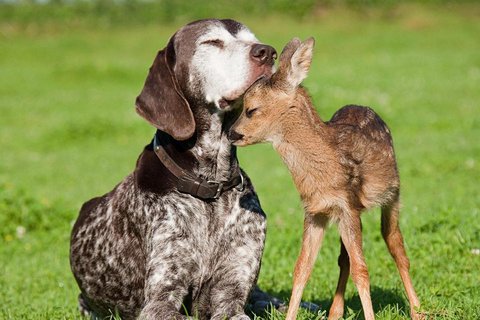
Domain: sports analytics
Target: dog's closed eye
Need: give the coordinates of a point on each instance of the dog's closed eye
(214, 42)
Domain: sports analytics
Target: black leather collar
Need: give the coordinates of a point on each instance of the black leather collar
(193, 185)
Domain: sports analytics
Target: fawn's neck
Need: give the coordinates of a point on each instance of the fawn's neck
(305, 149)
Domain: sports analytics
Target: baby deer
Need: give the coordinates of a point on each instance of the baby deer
(340, 167)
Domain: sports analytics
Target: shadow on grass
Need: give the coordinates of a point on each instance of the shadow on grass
(381, 299)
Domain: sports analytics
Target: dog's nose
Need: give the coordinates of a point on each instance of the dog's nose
(263, 53)
(234, 136)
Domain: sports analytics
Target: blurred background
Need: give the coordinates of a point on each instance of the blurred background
(69, 75)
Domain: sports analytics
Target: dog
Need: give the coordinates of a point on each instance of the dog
(184, 233)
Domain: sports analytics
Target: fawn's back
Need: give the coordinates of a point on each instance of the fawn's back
(365, 150)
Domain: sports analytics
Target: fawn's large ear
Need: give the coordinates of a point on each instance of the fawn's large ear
(287, 53)
(294, 66)
(284, 62)
(162, 102)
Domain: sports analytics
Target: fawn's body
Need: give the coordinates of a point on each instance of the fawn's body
(340, 168)
(345, 164)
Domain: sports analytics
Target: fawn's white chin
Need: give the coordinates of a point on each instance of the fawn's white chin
(239, 143)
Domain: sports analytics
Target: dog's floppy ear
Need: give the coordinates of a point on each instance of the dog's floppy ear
(162, 102)
(295, 62)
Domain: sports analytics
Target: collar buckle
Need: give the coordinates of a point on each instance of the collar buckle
(196, 186)
(219, 188)
(241, 185)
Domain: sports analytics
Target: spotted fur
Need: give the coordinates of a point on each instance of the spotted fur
(145, 250)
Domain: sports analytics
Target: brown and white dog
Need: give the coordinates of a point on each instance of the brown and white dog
(147, 250)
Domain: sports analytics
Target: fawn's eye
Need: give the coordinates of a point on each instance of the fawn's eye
(214, 42)
(249, 113)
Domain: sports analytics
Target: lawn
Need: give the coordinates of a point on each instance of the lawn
(68, 132)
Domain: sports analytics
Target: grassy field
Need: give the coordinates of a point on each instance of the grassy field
(68, 132)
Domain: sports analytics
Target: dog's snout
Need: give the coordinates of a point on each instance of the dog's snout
(263, 53)
(234, 136)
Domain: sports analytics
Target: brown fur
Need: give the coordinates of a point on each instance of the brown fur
(340, 167)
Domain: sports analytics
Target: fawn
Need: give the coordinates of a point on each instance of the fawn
(340, 167)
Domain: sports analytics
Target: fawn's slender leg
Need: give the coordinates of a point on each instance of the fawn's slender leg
(394, 240)
(336, 310)
(313, 231)
(351, 233)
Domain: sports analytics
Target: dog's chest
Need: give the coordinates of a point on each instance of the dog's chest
(204, 232)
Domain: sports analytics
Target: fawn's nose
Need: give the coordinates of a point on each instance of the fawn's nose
(263, 53)
(234, 136)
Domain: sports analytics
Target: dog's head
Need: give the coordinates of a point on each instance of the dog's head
(207, 62)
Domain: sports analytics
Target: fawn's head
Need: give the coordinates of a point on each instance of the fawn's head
(269, 101)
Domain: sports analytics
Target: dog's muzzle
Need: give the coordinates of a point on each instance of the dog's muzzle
(263, 53)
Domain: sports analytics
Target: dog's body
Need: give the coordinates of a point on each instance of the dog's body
(132, 249)
(147, 250)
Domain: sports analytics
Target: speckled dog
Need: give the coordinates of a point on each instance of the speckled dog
(159, 242)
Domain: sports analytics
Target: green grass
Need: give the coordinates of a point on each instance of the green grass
(68, 132)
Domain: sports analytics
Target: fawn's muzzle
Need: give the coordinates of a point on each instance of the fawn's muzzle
(234, 136)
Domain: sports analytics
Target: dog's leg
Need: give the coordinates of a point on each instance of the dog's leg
(350, 228)
(84, 309)
(165, 303)
(314, 227)
(234, 280)
(228, 297)
(336, 310)
(394, 240)
(169, 272)
(237, 268)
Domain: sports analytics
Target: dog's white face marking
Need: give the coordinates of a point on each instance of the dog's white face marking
(221, 66)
